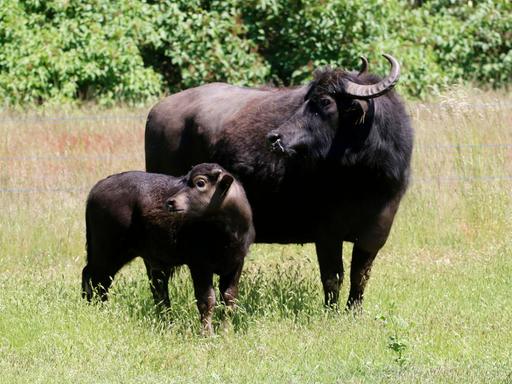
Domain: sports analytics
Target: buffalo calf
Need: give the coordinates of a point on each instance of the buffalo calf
(202, 220)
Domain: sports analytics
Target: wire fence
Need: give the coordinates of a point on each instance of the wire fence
(461, 105)
(433, 181)
(97, 157)
(44, 190)
(453, 105)
(112, 156)
(141, 117)
(56, 119)
(70, 157)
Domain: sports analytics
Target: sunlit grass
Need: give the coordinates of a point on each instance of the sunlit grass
(438, 304)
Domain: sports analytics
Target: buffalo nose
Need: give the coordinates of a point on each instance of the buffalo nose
(273, 137)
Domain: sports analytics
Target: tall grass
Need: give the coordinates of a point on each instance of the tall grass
(438, 304)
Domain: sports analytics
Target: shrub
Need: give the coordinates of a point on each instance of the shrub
(196, 43)
(474, 42)
(60, 51)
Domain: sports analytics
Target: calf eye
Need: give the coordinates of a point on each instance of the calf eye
(200, 184)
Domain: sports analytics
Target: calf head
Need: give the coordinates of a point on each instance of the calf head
(335, 100)
(205, 191)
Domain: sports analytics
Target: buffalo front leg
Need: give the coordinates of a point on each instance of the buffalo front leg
(205, 296)
(359, 274)
(329, 253)
(159, 283)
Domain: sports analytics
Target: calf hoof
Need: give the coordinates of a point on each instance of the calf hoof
(207, 329)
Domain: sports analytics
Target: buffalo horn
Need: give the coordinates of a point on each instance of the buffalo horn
(370, 91)
(364, 66)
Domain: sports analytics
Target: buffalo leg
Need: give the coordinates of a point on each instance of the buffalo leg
(329, 253)
(359, 274)
(159, 283)
(205, 296)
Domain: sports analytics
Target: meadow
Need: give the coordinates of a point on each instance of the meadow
(438, 307)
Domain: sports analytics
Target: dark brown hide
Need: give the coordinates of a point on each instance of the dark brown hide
(317, 164)
(202, 220)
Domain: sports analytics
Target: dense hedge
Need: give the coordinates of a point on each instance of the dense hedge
(129, 51)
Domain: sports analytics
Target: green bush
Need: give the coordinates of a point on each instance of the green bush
(128, 51)
(194, 43)
(60, 51)
(474, 42)
(296, 37)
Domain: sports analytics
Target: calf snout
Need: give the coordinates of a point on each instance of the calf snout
(170, 205)
(175, 205)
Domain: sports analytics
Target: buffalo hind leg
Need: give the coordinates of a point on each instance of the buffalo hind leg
(159, 283)
(359, 274)
(329, 253)
(205, 296)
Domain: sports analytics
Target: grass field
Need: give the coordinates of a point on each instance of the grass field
(438, 307)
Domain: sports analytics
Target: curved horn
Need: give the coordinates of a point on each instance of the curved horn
(364, 66)
(373, 90)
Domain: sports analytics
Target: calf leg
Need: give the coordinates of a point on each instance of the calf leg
(97, 279)
(329, 253)
(359, 274)
(205, 296)
(104, 259)
(159, 283)
(228, 286)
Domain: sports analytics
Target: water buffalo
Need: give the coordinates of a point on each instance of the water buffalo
(326, 162)
(202, 220)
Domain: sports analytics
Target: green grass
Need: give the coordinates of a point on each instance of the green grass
(438, 307)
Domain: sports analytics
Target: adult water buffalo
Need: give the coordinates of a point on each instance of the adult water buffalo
(326, 162)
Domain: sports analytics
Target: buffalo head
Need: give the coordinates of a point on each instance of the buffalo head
(335, 100)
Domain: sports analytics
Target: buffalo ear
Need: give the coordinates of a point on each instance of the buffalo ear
(356, 110)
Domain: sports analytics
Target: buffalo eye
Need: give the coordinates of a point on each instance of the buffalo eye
(200, 183)
(324, 102)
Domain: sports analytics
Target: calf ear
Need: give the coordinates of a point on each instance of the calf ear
(224, 183)
(215, 174)
(221, 190)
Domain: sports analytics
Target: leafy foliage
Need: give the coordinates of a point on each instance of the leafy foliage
(475, 42)
(62, 50)
(129, 51)
(195, 43)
